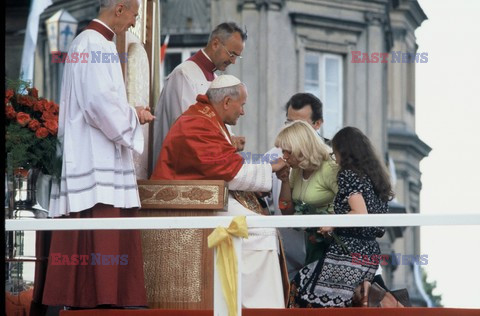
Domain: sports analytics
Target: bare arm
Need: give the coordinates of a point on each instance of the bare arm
(285, 197)
(357, 204)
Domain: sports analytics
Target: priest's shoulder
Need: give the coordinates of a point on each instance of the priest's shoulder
(188, 69)
(89, 40)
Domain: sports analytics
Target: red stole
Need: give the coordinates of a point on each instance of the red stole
(100, 28)
(205, 65)
(196, 148)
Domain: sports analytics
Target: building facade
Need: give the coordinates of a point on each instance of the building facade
(324, 47)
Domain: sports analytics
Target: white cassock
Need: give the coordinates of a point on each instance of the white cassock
(262, 285)
(180, 91)
(98, 130)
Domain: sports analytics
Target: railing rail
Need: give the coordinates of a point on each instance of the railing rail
(386, 220)
(220, 308)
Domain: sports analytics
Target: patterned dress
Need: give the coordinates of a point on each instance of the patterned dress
(331, 283)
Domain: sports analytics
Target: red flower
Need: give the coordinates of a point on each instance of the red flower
(23, 118)
(29, 101)
(51, 126)
(40, 105)
(25, 100)
(33, 92)
(7, 101)
(50, 107)
(9, 94)
(41, 132)
(34, 125)
(10, 112)
(48, 116)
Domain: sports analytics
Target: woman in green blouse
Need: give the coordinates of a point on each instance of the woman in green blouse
(311, 185)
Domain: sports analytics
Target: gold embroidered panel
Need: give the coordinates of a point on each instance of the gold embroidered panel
(183, 194)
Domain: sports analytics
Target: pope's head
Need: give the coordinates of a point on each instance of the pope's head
(228, 95)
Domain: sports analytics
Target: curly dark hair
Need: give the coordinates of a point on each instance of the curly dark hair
(358, 154)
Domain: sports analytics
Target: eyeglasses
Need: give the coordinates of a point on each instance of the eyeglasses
(332, 155)
(231, 55)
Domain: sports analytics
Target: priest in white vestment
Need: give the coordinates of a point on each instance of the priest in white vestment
(98, 130)
(193, 77)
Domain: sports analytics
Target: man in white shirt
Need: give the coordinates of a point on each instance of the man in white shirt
(193, 77)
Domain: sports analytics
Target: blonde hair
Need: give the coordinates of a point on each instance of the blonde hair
(306, 146)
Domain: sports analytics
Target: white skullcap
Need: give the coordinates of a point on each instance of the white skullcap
(224, 81)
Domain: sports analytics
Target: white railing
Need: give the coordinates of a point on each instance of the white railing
(370, 220)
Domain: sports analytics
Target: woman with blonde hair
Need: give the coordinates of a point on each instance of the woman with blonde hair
(312, 184)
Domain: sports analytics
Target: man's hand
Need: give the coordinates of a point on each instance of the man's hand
(283, 174)
(144, 115)
(238, 142)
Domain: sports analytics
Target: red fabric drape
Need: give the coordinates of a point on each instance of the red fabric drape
(88, 285)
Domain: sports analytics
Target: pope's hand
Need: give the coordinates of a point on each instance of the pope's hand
(144, 114)
(238, 142)
(278, 164)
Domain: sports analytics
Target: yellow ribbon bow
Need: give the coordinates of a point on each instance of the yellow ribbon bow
(227, 260)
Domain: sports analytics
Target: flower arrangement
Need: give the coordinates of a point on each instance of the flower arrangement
(31, 125)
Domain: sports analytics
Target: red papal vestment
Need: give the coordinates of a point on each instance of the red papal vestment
(198, 147)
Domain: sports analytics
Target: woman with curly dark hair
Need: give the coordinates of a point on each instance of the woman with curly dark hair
(363, 188)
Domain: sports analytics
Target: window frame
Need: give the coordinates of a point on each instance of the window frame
(321, 87)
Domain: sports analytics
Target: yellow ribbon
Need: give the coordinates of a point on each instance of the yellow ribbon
(227, 260)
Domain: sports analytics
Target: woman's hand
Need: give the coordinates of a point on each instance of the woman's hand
(283, 174)
(326, 231)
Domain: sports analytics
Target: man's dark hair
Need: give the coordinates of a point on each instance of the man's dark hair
(300, 100)
(224, 30)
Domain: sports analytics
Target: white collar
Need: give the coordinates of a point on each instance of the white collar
(206, 55)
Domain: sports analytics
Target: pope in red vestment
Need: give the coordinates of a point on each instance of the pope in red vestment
(199, 147)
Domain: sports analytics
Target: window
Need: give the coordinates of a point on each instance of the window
(174, 57)
(324, 79)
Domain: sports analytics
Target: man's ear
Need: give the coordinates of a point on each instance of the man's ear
(215, 42)
(317, 124)
(226, 101)
(119, 8)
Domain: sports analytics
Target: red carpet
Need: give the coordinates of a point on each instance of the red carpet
(415, 311)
